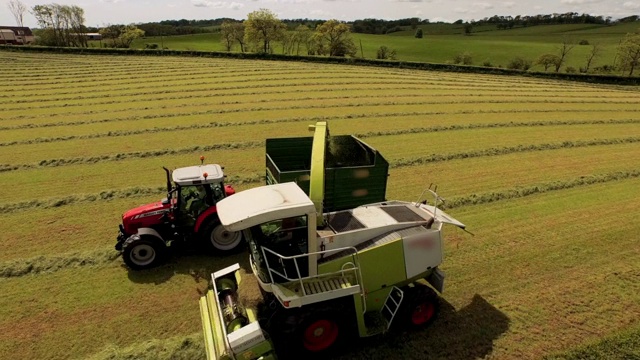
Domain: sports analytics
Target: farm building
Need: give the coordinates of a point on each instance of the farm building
(89, 36)
(16, 35)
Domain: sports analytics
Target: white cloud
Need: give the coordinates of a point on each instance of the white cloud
(508, 4)
(483, 5)
(216, 4)
(580, 2)
(631, 5)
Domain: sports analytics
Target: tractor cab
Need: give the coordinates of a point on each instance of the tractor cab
(196, 188)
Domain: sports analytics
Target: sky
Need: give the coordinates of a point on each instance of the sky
(103, 12)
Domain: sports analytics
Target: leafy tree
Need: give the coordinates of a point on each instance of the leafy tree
(261, 28)
(231, 32)
(467, 28)
(17, 9)
(548, 60)
(303, 35)
(464, 59)
(386, 53)
(238, 34)
(121, 36)
(419, 34)
(226, 33)
(333, 38)
(519, 63)
(629, 52)
(62, 25)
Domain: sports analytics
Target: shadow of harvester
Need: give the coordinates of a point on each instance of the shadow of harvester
(455, 335)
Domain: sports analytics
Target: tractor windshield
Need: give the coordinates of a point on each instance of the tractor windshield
(286, 237)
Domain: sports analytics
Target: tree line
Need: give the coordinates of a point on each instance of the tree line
(262, 31)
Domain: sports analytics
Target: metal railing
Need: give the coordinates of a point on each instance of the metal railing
(355, 269)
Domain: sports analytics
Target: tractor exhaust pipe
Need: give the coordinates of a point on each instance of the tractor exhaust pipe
(169, 187)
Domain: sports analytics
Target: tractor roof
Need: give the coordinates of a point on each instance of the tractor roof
(193, 175)
(266, 203)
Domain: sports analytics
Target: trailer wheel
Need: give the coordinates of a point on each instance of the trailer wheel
(218, 239)
(143, 252)
(421, 306)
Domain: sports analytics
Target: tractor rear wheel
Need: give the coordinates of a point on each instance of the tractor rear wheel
(421, 306)
(143, 252)
(218, 239)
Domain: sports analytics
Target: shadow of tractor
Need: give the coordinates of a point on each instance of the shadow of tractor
(455, 335)
(191, 262)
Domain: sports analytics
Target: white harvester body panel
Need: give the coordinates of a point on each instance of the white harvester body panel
(422, 250)
(260, 205)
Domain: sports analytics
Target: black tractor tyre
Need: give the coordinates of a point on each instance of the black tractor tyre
(420, 307)
(143, 252)
(217, 239)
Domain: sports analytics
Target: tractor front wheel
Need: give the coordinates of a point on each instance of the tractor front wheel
(143, 252)
(218, 239)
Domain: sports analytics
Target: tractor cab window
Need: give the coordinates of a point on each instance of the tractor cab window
(217, 191)
(194, 199)
(286, 237)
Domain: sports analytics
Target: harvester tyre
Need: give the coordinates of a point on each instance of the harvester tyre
(143, 252)
(312, 334)
(218, 240)
(421, 306)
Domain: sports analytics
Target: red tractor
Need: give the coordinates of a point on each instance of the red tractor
(188, 213)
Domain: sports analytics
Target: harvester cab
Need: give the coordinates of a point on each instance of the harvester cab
(328, 277)
(187, 214)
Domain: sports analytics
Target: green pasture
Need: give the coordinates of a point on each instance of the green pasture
(544, 173)
(442, 42)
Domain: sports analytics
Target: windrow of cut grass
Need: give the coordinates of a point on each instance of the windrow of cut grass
(433, 157)
(85, 232)
(253, 97)
(245, 160)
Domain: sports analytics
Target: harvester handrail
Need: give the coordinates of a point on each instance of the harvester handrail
(300, 279)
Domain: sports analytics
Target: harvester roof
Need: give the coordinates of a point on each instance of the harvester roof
(203, 174)
(266, 203)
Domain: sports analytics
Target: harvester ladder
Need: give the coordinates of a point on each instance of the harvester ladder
(392, 305)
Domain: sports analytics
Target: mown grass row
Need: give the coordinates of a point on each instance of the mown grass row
(200, 101)
(48, 264)
(48, 182)
(250, 68)
(397, 163)
(28, 98)
(211, 125)
(77, 227)
(61, 89)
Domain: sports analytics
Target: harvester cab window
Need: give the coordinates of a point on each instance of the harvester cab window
(287, 231)
(287, 237)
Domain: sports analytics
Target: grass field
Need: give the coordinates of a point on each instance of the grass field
(544, 173)
(442, 42)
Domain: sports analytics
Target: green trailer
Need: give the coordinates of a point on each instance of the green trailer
(355, 173)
